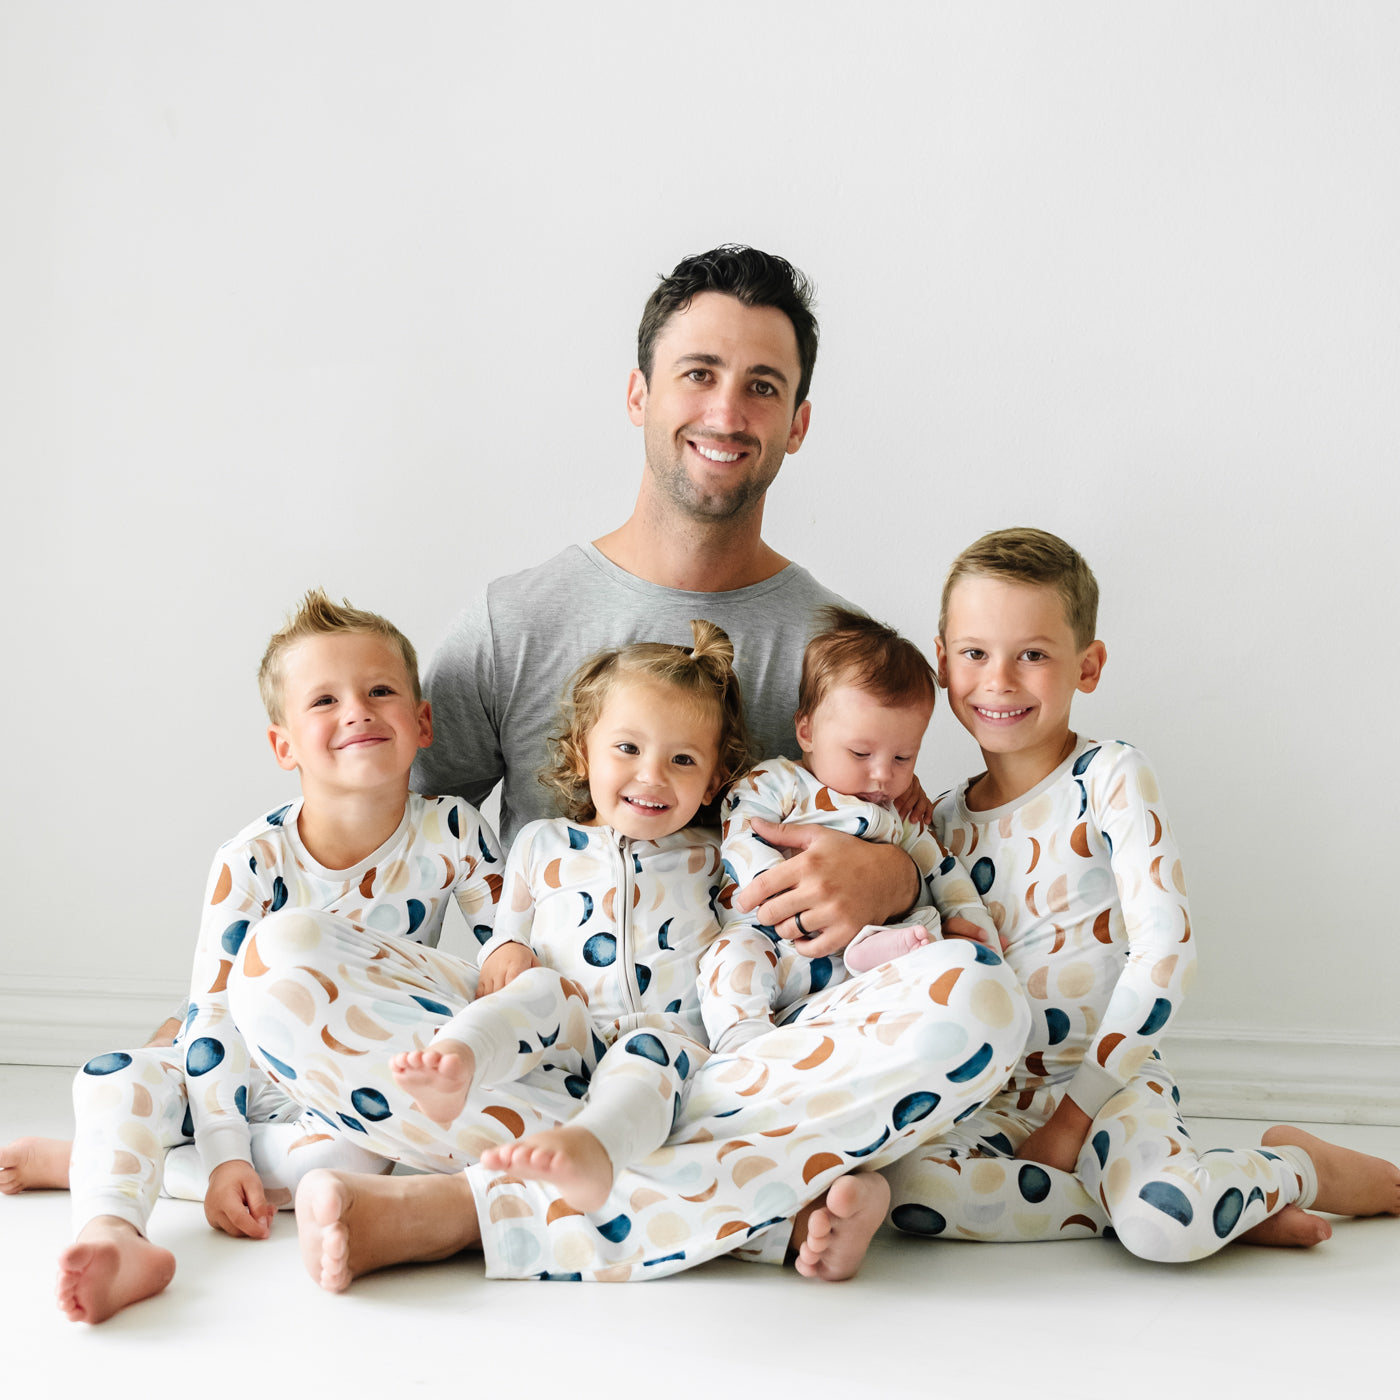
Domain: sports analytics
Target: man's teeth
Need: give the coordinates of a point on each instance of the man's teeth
(716, 456)
(999, 714)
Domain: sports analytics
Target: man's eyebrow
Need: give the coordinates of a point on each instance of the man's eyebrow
(698, 357)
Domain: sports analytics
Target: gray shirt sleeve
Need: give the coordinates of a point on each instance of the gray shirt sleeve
(464, 759)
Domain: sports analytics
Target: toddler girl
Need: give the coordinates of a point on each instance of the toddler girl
(614, 899)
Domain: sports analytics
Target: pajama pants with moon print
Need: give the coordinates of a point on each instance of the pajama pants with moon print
(870, 1069)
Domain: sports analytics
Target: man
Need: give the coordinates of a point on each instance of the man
(725, 354)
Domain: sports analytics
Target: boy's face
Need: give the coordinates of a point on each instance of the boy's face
(1011, 666)
(652, 756)
(862, 746)
(350, 723)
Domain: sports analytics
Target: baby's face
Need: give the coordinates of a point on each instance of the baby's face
(859, 745)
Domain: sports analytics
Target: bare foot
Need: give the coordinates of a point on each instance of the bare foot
(1348, 1183)
(439, 1078)
(831, 1236)
(34, 1164)
(1290, 1228)
(885, 946)
(351, 1224)
(108, 1267)
(570, 1159)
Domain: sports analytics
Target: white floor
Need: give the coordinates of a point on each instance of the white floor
(1077, 1319)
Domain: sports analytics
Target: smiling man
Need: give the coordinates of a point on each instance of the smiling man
(725, 353)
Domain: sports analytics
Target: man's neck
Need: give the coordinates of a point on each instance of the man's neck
(696, 556)
(339, 830)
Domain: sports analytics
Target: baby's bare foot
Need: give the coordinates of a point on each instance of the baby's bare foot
(350, 1224)
(571, 1159)
(34, 1164)
(832, 1236)
(884, 946)
(439, 1078)
(1348, 1183)
(107, 1268)
(1290, 1228)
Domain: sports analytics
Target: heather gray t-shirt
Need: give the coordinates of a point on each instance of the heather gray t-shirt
(496, 680)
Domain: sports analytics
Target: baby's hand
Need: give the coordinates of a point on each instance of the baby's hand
(913, 805)
(234, 1202)
(504, 966)
(1057, 1144)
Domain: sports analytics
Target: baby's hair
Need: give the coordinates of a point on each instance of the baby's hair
(704, 673)
(1026, 555)
(855, 650)
(317, 616)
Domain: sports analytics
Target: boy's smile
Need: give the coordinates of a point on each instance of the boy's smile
(652, 756)
(350, 723)
(1012, 666)
(862, 746)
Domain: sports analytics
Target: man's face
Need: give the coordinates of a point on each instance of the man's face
(719, 414)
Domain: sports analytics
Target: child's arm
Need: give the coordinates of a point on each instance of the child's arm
(479, 869)
(216, 1057)
(949, 887)
(763, 794)
(1123, 814)
(509, 951)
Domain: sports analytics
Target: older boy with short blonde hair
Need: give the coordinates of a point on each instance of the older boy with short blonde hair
(1069, 845)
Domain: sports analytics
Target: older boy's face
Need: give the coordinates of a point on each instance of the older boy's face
(862, 746)
(350, 723)
(1011, 666)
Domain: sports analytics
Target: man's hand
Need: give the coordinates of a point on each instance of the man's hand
(914, 805)
(836, 884)
(504, 966)
(234, 1202)
(1057, 1144)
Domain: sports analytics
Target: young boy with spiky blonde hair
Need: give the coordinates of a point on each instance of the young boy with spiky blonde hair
(1069, 844)
(342, 695)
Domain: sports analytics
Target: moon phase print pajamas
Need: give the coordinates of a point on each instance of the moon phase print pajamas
(865, 1070)
(749, 972)
(1083, 880)
(132, 1106)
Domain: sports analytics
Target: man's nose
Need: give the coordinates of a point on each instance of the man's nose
(724, 408)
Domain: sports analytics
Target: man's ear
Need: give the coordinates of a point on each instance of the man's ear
(281, 743)
(1091, 666)
(425, 724)
(637, 398)
(941, 669)
(801, 421)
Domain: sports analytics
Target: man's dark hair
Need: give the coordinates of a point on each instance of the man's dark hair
(755, 278)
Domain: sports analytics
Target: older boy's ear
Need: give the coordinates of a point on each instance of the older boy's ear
(941, 669)
(1091, 665)
(282, 747)
(425, 724)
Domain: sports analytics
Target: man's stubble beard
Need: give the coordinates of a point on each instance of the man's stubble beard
(664, 463)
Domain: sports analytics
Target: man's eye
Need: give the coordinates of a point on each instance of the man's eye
(697, 376)
(764, 389)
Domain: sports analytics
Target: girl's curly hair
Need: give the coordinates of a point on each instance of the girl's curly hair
(704, 673)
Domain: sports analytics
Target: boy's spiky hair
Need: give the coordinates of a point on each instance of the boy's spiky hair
(1027, 555)
(318, 616)
(855, 650)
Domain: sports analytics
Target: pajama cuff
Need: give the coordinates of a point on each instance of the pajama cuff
(223, 1141)
(1092, 1087)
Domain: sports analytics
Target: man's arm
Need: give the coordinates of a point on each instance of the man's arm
(835, 883)
(464, 759)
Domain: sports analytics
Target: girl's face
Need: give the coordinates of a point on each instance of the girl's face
(652, 758)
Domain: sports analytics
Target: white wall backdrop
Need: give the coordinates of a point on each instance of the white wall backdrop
(346, 293)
